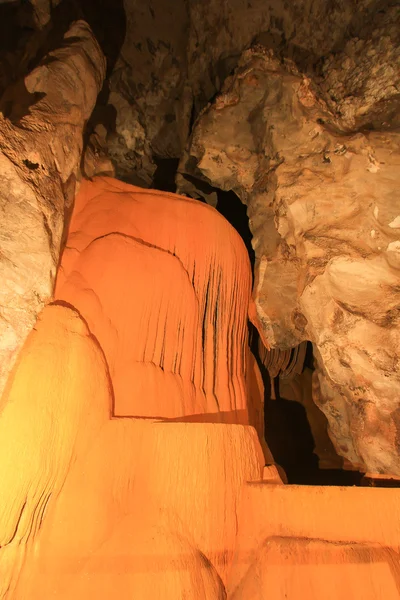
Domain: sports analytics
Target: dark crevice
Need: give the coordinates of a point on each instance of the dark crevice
(289, 436)
(31, 165)
(234, 211)
(309, 359)
(164, 176)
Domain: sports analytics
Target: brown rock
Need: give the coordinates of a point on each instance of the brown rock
(324, 215)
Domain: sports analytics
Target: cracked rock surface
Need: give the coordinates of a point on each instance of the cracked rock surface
(41, 127)
(325, 216)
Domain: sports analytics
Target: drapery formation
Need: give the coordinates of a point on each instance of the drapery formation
(163, 283)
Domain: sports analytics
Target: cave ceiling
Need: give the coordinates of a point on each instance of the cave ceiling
(166, 61)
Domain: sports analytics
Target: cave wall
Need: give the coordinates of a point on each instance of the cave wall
(41, 138)
(321, 186)
(294, 107)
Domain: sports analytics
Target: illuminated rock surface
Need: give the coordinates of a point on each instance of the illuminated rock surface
(302, 546)
(55, 402)
(41, 145)
(164, 285)
(134, 480)
(132, 457)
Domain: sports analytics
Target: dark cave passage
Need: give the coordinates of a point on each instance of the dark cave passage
(234, 211)
(164, 176)
(290, 439)
(289, 434)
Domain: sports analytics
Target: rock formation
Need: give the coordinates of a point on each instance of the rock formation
(323, 212)
(98, 500)
(163, 283)
(142, 360)
(50, 412)
(41, 127)
(134, 457)
(303, 546)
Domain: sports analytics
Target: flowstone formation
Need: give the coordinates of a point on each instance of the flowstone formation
(164, 285)
(136, 396)
(321, 195)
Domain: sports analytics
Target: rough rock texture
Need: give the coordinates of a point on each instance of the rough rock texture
(166, 61)
(324, 213)
(41, 127)
(176, 56)
(147, 88)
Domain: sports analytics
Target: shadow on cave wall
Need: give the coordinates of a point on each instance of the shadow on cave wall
(23, 46)
(290, 439)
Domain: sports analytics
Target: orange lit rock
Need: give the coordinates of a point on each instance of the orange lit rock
(56, 399)
(98, 501)
(163, 282)
(304, 546)
(153, 510)
(163, 285)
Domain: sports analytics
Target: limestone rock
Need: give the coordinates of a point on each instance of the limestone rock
(46, 418)
(304, 547)
(96, 160)
(323, 210)
(129, 146)
(164, 284)
(175, 57)
(147, 523)
(41, 145)
(361, 83)
(148, 89)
